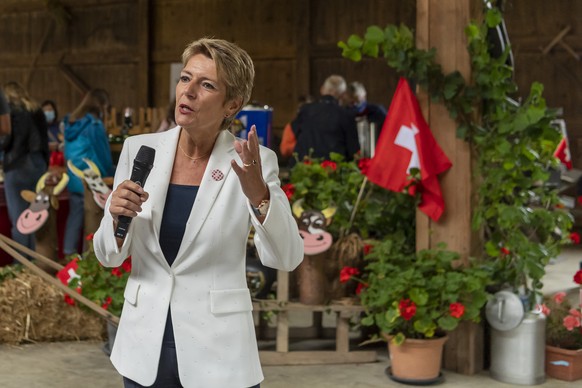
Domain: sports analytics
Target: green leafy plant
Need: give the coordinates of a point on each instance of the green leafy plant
(361, 207)
(522, 223)
(419, 295)
(104, 286)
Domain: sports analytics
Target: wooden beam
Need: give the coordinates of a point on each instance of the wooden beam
(143, 92)
(441, 25)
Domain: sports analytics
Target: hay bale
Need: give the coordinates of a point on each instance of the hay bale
(32, 310)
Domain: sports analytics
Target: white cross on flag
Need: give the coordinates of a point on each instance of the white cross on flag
(406, 142)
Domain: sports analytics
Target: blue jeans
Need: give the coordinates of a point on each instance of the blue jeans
(23, 177)
(74, 225)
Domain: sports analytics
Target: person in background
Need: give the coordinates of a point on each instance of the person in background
(5, 127)
(356, 101)
(187, 318)
(323, 126)
(288, 139)
(27, 155)
(55, 133)
(85, 137)
(169, 121)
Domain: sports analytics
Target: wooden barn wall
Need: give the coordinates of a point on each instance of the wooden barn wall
(128, 46)
(532, 25)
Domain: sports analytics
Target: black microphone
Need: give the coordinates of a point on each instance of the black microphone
(142, 165)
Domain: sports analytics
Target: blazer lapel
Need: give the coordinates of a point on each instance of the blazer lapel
(159, 179)
(213, 180)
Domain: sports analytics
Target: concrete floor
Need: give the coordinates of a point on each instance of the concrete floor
(84, 364)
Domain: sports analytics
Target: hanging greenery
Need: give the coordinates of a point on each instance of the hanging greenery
(520, 216)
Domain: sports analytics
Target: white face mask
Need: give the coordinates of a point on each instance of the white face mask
(49, 115)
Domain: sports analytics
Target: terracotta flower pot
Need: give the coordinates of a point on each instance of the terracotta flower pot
(417, 359)
(563, 364)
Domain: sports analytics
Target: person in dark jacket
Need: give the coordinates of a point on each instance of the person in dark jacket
(85, 137)
(323, 126)
(26, 155)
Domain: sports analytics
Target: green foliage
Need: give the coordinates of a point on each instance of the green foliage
(430, 279)
(104, 286)
(337, 183)
(522, 224)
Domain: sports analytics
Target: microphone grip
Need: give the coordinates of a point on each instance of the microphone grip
(139, 175)
(122, 226)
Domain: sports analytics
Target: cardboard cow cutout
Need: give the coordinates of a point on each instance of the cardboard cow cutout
(95, 195)
(312, 228)
(35, 217)
(92, 178)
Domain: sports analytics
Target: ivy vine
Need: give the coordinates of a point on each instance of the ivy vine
(522, 224)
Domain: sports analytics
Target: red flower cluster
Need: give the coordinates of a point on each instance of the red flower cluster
(505, 251)
(346, 273)
(578, 277)
(289, 190)
(364, 165)
(368, 248)
(575, 237)
(407, 309)
(329, 164)
(107, 303)
(124, 267)
(456, 310)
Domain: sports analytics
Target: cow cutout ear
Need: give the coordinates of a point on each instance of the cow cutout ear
(297, 208)
(28, 195)
(328, 213)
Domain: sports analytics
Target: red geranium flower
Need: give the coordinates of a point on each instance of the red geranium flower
(360, 287)
(578, 277)
(559, 297)
(329, 164)
(346, 273)
(579, 199)
(505, 251)
(456, 310)
(107, 303)
(364, 165)
(117, 272)
(575, 237)
(127, 264)
(307, 161)
(407, 309)
(289, 190)
(368, 248)
(69, 300)
(89, 237)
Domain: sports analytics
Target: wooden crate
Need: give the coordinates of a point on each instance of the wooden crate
(283, 356)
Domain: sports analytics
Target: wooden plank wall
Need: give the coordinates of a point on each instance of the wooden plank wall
(128, 46)
(532, 25)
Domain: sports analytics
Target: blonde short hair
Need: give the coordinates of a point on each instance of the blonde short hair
(334, 85)
(234, 67)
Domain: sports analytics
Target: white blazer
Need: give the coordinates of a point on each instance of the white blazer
(206, 285)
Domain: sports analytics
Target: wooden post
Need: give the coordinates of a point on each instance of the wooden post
(441, 24)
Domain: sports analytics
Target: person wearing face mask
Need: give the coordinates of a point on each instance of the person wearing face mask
(85, 137)
(55, 133)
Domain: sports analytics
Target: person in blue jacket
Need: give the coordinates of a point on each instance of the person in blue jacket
(85, 137)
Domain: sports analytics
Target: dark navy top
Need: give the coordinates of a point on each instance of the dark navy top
(179, 202)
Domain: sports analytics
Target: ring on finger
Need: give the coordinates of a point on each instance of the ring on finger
(254, 162)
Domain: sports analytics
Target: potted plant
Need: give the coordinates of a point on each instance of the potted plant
(564, 334)
(416, 299)
(362, 211)
(104, 286)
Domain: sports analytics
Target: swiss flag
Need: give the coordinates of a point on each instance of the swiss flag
(69, 272)
(406, 142)
(563, 153)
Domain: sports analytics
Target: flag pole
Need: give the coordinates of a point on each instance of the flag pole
(355, 209)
